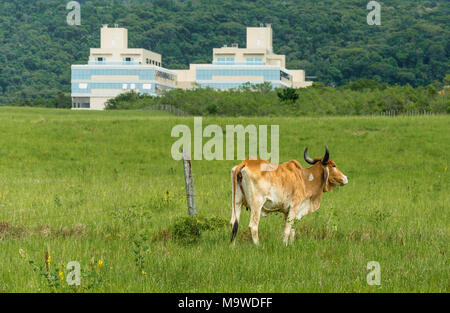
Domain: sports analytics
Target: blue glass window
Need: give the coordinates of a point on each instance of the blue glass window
(268, 74)
(86, 73)
(254, 60)
(225, 60)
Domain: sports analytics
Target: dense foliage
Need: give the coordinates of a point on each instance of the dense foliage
(60, 101)
(357, 98)
(329, 39)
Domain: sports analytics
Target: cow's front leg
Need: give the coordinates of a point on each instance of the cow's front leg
(289, 232)
(292, 236)
(256, 207)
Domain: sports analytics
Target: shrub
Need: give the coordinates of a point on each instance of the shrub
(287, 94)
(189, 229)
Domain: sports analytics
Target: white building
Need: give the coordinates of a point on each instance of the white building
(114, 68)
(233, 66)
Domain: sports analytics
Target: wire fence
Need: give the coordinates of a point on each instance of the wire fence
(55, 216)
(167, 108)
(390, 113)
(394, 113)
(6, 215)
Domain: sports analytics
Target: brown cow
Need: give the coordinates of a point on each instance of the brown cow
(289, 188)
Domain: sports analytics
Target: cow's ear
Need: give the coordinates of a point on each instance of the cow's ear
(326, 173)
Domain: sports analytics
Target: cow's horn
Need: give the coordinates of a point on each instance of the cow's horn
(326, 156)
(307, 158)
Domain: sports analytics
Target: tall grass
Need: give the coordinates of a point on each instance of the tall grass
(102, 186)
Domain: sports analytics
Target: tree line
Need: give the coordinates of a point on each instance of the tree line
(360, 97)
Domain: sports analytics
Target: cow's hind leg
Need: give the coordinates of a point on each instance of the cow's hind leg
(255, 206)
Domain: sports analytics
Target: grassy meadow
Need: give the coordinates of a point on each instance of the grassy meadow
(101, 188)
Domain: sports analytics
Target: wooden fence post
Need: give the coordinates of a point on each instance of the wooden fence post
(189, 183)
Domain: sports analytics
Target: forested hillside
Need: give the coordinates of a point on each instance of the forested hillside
(329, 39)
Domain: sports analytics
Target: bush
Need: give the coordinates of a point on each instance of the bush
(189, 229)
(362, 84)
(61, 100)
(287, 94)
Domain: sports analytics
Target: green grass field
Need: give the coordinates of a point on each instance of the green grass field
(90, 186)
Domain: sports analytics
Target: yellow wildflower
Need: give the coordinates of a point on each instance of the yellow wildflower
(61, 275)
(100, 264)
(143, 273)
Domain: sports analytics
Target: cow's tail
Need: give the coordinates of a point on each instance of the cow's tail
(236, 182)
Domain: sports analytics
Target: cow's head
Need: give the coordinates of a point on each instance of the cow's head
(332, 176)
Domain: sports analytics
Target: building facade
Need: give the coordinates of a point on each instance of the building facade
(114, 68)
(233, 66)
